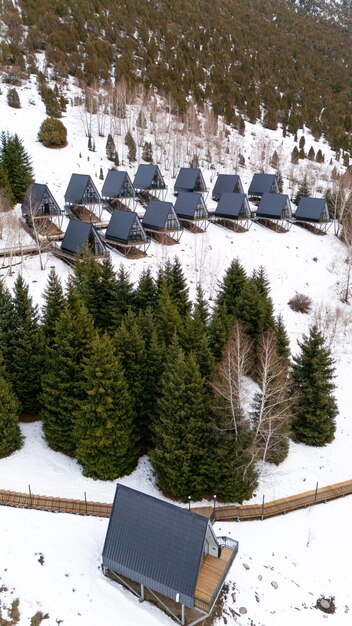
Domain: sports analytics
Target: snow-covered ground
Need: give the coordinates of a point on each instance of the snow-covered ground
(306, 553)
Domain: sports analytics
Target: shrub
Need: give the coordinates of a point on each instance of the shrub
(300, 303)
(13, 99)
(52, 133)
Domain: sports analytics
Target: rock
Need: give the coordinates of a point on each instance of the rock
(346, 608)
(325, 604)
(245, 565)
(242, 610)
(257, 597)
(260, 577)
(274, 584)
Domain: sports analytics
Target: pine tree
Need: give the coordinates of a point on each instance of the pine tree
(261, 279)
(168, 319)
(5, 187)
(200, 308)
(255, 310)
(294, 155)
(26, 363)
(104, 426)
(132, 148)
(282, 340)
(219, 331)
(124, 292)
(311, 154)
(54, 302)
(147, 152)
(146, 293)
(182, 432)
(16, 162)
(141, 121)
(319, 157)
(178, 289)
(231, 286)
(312, 376)
(302, 192)
(280, 181)
(7, 315)
(13, 99)
(129, 344)
(10, 434)
(110, 148)
(63, 386)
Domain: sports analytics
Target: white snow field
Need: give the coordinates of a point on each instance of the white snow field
(308, 553)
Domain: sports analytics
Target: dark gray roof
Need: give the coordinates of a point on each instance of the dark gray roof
(116, 184)
(263, 183)
(312, 209)
(157, 213)
(77, 235)
(273, 205)
(227, 182)
(121, 224)
(187, 204)
(148, 176)
(231, 205)
(36, 195)
(155, 543)
(77, 188)
(190, 179)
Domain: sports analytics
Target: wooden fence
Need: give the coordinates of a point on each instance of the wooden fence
(217, 512)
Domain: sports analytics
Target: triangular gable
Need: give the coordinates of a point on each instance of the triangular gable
(160, 216)
(312, 210)
(39, 201)
(263, 183)
(190, 179)
(125, 226)
(274, 206)
(227, 183)
(81, 190)
(190, 205)
(233, 206)
(155, 543)
(79, 234)
(117, 184)
(148, 177)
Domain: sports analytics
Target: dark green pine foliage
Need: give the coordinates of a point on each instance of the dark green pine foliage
(234, 475)
(10, 434)
(260, 278)
(124, 293)
(194, 338)
(219, 331)
(26, 364)
(282, 340)
(200, 308)
(5, 187)
(254, 309)
(16, 162)
(231, 287)
(172, 274)
(182, 431)
(54, 302)
(302, 191)
(146, 293)
(86, 279)
(155, 357)
(312, 378)
(63, 384)
(7, 315)
(168, 319)
(129, 344)
(104, 425)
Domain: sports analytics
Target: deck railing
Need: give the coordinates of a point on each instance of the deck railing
(207, 606)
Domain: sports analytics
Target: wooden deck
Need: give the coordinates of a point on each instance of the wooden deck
(211, 575)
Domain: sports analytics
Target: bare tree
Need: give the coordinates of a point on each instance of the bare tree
(332, 322)
(272, 406)
(228, 385)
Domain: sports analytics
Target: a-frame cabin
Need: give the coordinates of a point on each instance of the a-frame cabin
(83, 199)
(229, 183)
(274, 210)
(233, 211)
(149, 183)
(190, 179)
(118, 190)
(126, 233)
(79, 235)
(41, 212)
(191, 210)
(261, 184)
(313, 213)
(165, 554)
(161, 222)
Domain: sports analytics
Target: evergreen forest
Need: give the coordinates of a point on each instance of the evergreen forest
(117, 370)
(276, 61)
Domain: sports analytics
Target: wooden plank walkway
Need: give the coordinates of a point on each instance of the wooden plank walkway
(211, 573)
(219, 513)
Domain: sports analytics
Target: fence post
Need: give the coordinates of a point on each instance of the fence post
(30, 495)
(316, 493)
(85, 500)
(263, 507)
